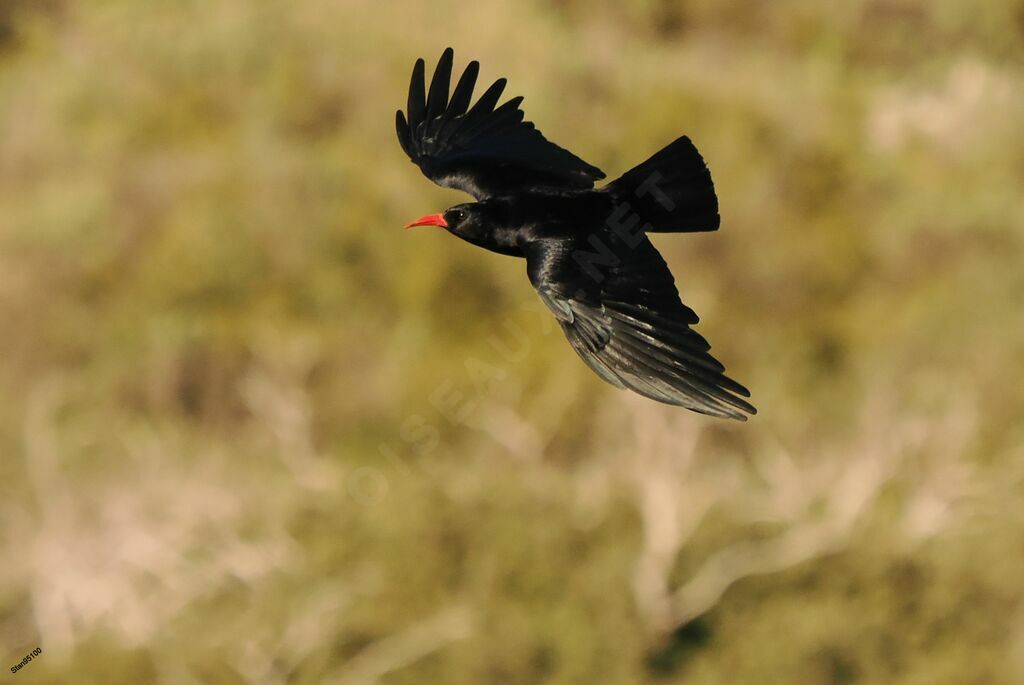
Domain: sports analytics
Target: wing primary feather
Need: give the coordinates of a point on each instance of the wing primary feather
(417, 95)
(403, 133)
(463, 92)
(437, 98)
(511, 105)
(489, 99)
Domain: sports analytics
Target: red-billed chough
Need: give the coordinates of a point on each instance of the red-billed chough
(587, 253)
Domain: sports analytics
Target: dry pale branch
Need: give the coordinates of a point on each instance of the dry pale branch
(407, 646)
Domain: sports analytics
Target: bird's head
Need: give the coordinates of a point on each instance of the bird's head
(488, 223)
(465, 220)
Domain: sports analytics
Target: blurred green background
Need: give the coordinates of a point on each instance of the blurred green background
(253, 432)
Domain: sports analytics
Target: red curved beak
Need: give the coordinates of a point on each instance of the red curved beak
(429, 220)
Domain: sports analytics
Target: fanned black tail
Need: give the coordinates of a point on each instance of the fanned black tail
(672, 191)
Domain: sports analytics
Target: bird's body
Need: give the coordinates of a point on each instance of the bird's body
(586, 250)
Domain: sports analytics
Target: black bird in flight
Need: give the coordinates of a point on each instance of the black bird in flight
(587, 253)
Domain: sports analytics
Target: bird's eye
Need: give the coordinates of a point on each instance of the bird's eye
(458, 214)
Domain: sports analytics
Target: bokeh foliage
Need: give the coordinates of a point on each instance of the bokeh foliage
(254, 432)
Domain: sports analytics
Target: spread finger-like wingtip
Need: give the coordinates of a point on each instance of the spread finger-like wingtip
(463, 90)
(437, 97)
(479, 148)
(404, 137)
(489, 99)
(417, 104)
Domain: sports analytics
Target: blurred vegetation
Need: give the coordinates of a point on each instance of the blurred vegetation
(253, 432)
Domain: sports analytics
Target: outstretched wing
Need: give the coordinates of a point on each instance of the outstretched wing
(482, 150)
(622, 314)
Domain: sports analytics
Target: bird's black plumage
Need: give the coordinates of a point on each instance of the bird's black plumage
(482, 150)
(587, 253)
